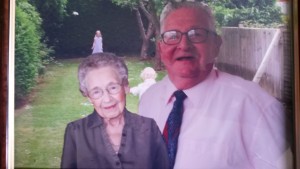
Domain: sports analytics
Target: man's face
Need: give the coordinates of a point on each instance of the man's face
(106, 79)
(187, 60)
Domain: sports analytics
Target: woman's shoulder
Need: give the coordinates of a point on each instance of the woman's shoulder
(86, 121)
(138, 121)
(137, 117)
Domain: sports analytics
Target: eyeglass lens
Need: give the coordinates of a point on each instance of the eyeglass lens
(193, 35)
(111, 89)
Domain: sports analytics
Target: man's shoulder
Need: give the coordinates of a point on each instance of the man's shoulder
(230, 77)
(237, 82)
(248, 89)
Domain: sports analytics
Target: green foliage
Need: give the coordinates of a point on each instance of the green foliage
(158, 4)
(250, 13)
(265, 17)
(53, 13)
(55, 7)
(126, 3)
(29, 51)
(223, 15)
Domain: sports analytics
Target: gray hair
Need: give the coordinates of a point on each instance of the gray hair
(172, 6)
(100, 60)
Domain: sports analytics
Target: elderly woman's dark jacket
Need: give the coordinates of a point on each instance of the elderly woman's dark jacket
(87, 144)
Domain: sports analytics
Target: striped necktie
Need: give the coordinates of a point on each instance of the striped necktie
(172, 127)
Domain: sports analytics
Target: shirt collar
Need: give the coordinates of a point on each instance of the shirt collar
(95, 120)
(192, 93)
(169, 89)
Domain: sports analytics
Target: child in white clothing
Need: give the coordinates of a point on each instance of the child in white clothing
(148, 75)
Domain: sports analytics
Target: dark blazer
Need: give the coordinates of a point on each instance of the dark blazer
(87, 145)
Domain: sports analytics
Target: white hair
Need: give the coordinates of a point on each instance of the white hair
(172, 6)
(148, 73)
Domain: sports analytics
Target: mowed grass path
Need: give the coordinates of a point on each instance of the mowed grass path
(56, 101)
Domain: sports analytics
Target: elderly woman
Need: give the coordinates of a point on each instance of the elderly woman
(111, 137)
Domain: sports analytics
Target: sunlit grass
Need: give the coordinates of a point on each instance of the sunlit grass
(56, 101)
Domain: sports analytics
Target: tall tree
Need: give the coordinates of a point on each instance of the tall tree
(147, 13)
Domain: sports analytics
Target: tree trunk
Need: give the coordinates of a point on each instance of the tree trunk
(153, 18)
(145, 35)
(144, 49)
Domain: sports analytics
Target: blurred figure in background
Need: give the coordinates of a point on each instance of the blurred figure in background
(148, 75)
(97, 44)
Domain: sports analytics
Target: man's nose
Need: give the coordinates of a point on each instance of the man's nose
(185, 43)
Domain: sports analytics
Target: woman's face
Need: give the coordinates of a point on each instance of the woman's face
(106, 92)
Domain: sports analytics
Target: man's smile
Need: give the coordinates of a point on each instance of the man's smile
(185, 58)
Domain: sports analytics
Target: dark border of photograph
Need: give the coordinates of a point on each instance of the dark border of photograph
(6, 54)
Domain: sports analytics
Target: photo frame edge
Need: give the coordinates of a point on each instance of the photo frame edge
(5, 53)
(4, 77)
(295, 21)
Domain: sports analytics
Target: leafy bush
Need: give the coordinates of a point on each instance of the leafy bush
(254, 13)
(30, 52)
(53, 13)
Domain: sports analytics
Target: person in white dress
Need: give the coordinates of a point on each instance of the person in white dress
(97, 44)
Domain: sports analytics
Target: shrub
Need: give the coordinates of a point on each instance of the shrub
(255, 13)
(29, 50)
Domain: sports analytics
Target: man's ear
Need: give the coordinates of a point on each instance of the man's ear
(219, 41)
(159, 43)
(217, 45)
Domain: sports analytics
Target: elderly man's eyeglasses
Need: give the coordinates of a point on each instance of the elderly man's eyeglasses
(198, 35)
(111, 89)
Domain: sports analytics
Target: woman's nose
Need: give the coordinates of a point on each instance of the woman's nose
(106, 96)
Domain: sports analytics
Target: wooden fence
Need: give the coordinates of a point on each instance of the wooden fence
(243, 51)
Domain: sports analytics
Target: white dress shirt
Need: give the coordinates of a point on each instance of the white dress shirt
(228, 123)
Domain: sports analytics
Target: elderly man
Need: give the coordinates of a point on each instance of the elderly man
(210, 119)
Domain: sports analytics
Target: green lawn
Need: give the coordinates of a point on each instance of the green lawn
(56, 100)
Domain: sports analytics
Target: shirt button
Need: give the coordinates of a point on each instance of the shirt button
(122, 144)
(124, 135)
